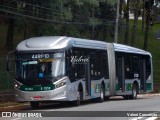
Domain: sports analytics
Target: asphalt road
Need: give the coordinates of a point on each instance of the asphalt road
(142, 103)
(114, 108)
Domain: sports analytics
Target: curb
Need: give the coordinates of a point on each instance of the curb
(149, 95)
(13, 107)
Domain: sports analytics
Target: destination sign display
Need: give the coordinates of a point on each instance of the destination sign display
(39, 56)
(35, 56)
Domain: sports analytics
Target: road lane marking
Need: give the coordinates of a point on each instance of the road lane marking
(137, 118)
(16, 119)
(152, 118)
(144, 118)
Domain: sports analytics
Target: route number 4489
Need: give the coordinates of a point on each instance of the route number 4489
(38, 56)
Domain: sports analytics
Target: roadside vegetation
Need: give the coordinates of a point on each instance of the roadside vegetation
(90, 19)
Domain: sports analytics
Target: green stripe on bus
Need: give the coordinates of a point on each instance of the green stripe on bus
(37, 88)
(129, 86)
(148, 86)
(116, 86)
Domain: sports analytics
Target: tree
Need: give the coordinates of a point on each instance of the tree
(11, 22)
(148, 8)
(107, 15)
(2, 17)
(143, 14)
(127, 23)
(78, 18)
(136, 14)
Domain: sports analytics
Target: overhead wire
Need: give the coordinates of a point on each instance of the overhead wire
(44, 19)
(49, 22)
(31, 12)
(47, 8)
(60, 12)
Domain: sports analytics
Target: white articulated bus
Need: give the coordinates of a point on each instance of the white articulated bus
(59, 68)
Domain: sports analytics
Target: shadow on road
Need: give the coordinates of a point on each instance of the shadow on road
(54, 105)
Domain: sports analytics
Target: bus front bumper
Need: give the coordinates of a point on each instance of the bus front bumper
(59, 94)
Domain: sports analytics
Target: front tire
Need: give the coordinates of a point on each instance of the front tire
(79, 98)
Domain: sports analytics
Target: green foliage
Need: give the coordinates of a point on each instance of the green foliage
(64, 17)
(47, 29)
(111, 2)
(78, 2)
(72, 16)
(133, 5)
(153, 45)
(94, 3)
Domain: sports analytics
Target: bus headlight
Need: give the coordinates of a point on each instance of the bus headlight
(60, 84)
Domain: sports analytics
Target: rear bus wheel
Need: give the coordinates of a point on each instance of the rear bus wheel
(134, 91)
(102, 94)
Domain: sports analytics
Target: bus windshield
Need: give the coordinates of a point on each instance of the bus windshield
(49, 68)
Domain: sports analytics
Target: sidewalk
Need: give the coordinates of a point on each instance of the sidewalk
(149, 95)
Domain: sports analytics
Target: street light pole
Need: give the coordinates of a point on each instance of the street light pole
(116, 25)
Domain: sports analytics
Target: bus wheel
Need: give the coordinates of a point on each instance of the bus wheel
(34, 105)
(134, 92)
(101, 98)
(77, 102)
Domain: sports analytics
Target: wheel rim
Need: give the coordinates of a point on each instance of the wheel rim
(102, 94)
(78, 98)
(134, 93)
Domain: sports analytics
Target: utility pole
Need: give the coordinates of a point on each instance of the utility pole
(116, 25)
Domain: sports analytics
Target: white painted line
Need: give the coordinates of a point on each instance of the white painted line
(16, 119)
(137, 118)
(152, 118)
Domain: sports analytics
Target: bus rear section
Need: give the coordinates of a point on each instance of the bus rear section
(133, 71)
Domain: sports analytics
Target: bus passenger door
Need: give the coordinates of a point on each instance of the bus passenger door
(120, 73)
(87, 78)
(143, 74)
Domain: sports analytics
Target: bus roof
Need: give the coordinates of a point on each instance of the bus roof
(58, 42)
(62, 42)
(129, 49)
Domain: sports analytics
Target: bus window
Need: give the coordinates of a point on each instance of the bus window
(93, 65)
(70, 65)
(135, 65)
(97, 64)
(76, 63)
(104, 66)
(148, 67)
(128, 67)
